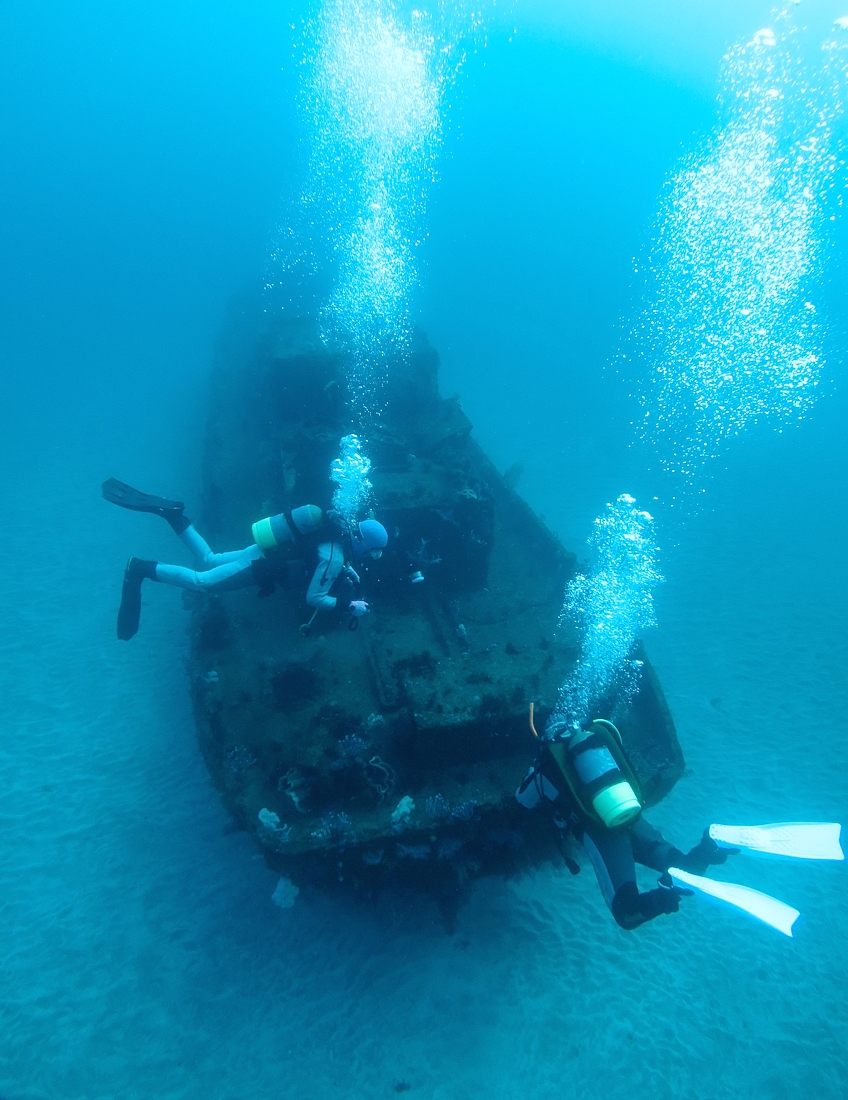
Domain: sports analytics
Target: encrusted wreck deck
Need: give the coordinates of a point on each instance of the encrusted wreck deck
(392, 752)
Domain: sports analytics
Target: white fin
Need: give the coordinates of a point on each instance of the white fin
(799, 839)
(765, 908)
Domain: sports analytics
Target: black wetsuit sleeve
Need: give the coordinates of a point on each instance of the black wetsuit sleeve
(651, 849)
(630, 908)
(614, 854)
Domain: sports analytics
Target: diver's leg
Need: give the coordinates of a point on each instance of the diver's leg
(198, 545)
(612, 856)
(229, 570)
(233, 574)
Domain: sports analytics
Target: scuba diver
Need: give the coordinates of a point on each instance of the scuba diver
(587, 781)
(279, 541)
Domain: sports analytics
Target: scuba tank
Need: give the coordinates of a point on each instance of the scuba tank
(287, 540)
(287, 527)
(597, 772)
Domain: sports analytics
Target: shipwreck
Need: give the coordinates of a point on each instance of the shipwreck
(390, 754)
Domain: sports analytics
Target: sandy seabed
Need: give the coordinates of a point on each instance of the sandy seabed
(142, 956)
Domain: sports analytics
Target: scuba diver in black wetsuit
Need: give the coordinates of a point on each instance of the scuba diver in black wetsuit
(304, 534)
(594, 794)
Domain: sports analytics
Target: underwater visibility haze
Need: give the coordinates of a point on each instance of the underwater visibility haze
(621, 228)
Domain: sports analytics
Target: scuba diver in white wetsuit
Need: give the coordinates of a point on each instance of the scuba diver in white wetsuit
(305, 533)
(589, 784)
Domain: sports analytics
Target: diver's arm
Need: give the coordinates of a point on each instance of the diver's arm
(330, 564)
(632, 908)
(613, 854)
(651, 849)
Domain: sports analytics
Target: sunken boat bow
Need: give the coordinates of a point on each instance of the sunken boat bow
(390, 753)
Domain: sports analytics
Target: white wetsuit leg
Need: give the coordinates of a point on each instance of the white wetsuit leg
(198, 545)
(234, 574)
(229, 570)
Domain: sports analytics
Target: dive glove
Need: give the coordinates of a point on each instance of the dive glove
(706, 853)
(668, 894)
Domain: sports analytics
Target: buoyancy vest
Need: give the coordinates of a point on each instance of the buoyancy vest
(598, 774)
(296, 534)
(302, 529)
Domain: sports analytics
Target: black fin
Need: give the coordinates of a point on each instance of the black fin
(116, 492)
(129, 613)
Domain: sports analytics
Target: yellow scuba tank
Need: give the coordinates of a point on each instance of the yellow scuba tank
(598, 774)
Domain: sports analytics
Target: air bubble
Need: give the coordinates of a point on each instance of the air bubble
(612, 605)
(727, 329)
(372, 100)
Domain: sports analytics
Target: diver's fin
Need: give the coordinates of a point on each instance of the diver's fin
(799, 839)
(765, 908)
(129, 612)
(116, 492)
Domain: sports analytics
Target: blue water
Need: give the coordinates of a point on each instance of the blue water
(150, 155)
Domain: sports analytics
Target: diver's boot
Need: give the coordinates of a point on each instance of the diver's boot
(116, 492)
(129, 612)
